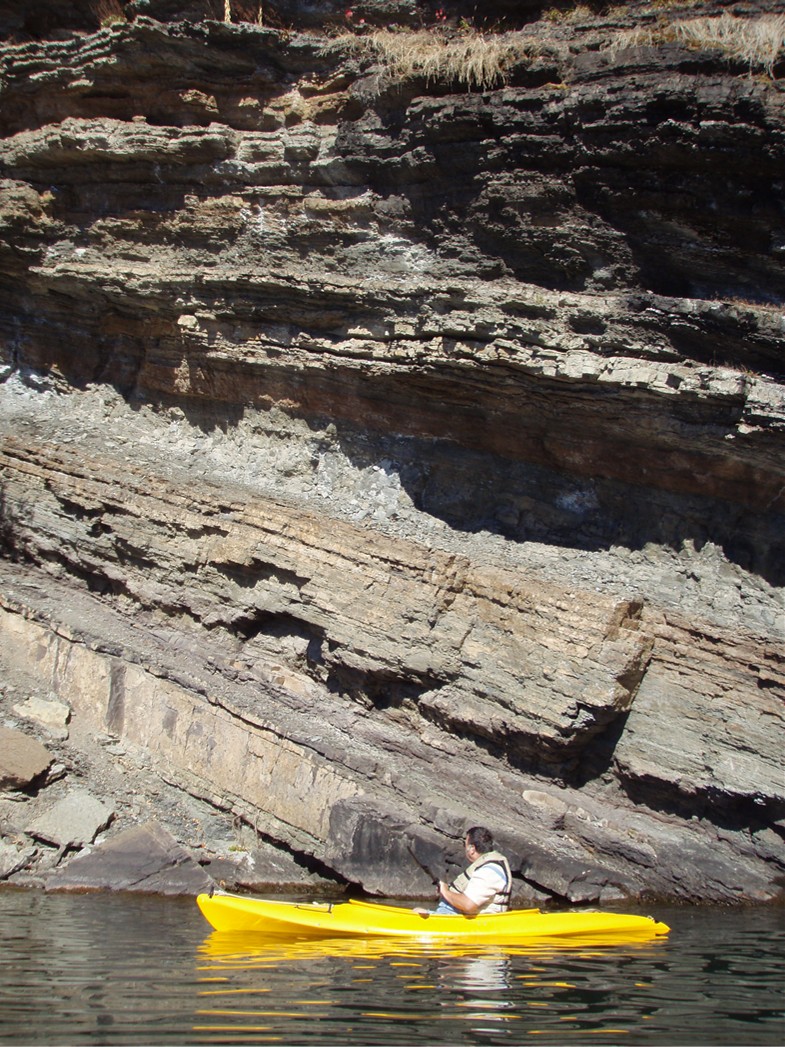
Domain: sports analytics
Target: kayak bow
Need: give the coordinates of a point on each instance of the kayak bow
(355, 919)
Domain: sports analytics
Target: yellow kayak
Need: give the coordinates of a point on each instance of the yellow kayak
(355, 919)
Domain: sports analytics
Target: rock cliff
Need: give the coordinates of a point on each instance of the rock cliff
(392, 440)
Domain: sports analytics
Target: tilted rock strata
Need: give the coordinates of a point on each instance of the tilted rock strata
(533, 667)
(724, 721)
(532, 320)
(356, 789)
(235, 723)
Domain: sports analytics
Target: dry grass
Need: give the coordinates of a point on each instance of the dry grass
(585, 12)
(570, 14)
(476, 60)
(108, 12)
(677, 3)
(758, 42)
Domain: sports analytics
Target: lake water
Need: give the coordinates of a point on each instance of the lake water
(103, 969)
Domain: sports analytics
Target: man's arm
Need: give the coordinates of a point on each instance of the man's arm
(458, 899)
(482, 888)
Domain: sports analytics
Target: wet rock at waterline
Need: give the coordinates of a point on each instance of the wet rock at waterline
(146, 859)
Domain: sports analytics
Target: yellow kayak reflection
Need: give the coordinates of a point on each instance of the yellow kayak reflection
(384, 982)
(366, 921)
(241, 948)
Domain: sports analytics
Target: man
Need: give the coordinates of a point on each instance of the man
(485, 886)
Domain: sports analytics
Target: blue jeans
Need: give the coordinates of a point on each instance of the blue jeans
(445, 909)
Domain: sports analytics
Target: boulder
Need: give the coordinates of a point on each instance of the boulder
(145, 859)
(13, 857)
(53, 715)
(73, 821)
(22, 759)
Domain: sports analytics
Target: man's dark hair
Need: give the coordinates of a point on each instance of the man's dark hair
(481, 838)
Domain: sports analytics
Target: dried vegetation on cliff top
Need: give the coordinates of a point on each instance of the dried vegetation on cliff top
(482, 60)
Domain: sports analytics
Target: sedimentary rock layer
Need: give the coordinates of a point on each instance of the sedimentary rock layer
(381, 456)
(533, 666)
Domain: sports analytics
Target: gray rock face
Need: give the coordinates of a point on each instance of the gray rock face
(380, 455)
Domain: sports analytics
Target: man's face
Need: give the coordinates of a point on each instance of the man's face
(470, 849)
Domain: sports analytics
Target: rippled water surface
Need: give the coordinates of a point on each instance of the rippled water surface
(100, 969)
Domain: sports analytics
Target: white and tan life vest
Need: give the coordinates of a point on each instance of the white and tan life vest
(502, 897)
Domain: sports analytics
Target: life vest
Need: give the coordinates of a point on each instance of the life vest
(502, 897)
